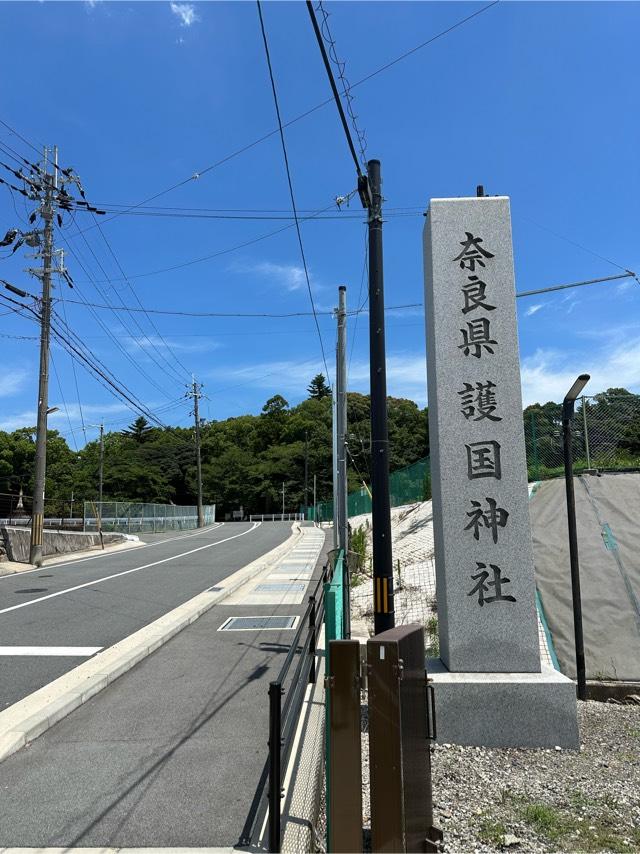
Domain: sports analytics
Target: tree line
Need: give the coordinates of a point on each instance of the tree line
(245, 459)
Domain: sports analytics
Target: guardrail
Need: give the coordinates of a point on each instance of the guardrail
(276, 517)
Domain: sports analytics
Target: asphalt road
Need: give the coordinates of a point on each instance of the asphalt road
(169, 755)
(98, 601)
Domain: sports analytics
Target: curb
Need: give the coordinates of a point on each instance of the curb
(30, 717)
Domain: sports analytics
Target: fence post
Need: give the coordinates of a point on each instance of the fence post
(534, 444)
(312, 633)
(586, 430)
(275, 745)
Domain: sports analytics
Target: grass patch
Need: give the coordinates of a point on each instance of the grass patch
(433, 639)
(547, 821)
(491, 832)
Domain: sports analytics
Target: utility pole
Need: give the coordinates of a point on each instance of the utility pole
(306, 470)
(384, 617)
(196, 394)
(340, 512)
(101, 468)
(315, 503)
(47, 212)
(283, 499)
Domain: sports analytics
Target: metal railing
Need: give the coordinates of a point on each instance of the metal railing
(283, 715)
(276, 517)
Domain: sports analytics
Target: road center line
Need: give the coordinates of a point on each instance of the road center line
(126, 572)
(101, 554)
(66, 651)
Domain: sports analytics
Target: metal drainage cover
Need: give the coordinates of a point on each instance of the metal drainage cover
(282, 587)
(238, 624)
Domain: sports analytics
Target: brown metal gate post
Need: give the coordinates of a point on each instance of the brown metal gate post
(399, 758)
(344, 772)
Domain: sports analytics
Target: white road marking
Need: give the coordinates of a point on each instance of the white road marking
(68, 651)
(126, 571)
(111, 554)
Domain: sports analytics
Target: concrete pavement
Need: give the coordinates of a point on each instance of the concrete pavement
(97, 601)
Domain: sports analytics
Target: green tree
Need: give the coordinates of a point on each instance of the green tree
(139, 431)
(318, 387)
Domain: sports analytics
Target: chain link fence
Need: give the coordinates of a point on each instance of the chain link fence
(406, 485)
(606, 435)
(130, 517)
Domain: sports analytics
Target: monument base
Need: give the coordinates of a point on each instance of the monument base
(504, 709)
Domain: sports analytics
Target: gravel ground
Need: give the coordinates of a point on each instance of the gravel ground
(538, 800)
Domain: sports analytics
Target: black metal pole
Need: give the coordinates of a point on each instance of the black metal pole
(306, 472)
(384, 617)
(567, 419)
(275, 745)
(312, 640)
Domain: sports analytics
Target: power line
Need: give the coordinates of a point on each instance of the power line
(64, 403)
(346, 86)
(178, 313)
(137, 298)
(291, 193)
(198, 174)
(134, 319)
(334, 88)
(73, 368)
(112, 308)
(209, 257)
(85, 357)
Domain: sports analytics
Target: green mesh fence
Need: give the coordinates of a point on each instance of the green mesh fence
(406, 486)
(334, 630)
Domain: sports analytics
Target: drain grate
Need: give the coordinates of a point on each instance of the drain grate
(281, 587)
(239, 624)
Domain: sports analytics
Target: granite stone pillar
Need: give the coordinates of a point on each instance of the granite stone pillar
(484, 561)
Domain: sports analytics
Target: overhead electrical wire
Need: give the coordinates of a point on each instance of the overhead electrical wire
(73, 368)
(71, 341)
(112, 308)
(165, 343)
(195, 176)
(209, 257)
(179, 313)
(346, 86)
(290, 183)
(334, 88)
(143, 334)
(64, 402)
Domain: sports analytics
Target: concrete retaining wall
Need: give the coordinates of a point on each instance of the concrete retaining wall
(17, 542)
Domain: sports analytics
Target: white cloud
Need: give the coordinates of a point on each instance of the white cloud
(533, 308)
(548, 375)
(91, 412)
(153, 344)
(186, 12)
(290, 276)
(12, 381)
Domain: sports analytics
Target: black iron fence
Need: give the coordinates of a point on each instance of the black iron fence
(286, 697)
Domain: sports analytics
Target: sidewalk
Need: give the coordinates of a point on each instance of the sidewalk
(170, 754)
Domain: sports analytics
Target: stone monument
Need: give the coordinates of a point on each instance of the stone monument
(490, 686)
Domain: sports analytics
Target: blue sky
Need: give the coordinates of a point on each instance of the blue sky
(537, 101)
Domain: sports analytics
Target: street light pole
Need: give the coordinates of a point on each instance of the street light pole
(568, 407)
